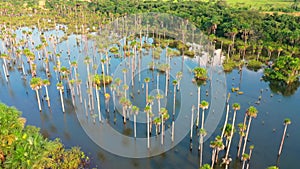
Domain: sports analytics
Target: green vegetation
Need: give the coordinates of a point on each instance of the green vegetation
(284, 75)
(285, 69)
(254, 65)
(24, 147)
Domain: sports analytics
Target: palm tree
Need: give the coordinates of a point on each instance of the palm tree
(174, 95)
(200, 73)
(103, 73)
(198, 102)
(46, 83)
(164, 113)
(216, 145)
(250, 154)
(107, 97)
(206, 166)
(242, 127)
(118, 82)
(5, 57)
(252, 113)
(273, 167)
(204, 105)
(202, 133)
(147, 80)
(235, 107)
(124, 74)
(150, 103)
(245, 157)
(125, 88)
(96, 84)
(60, 87)
(178, 77)
(135, 111)
(158, 97)
(286, 122)
(220, 146)
(124, 102)
(226, 117)
(35, 84)
(157, 122)
(148, 111)
(192, 121)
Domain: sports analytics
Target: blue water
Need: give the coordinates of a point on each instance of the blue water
(265, 133)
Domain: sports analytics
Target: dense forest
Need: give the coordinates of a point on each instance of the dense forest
(255, 32)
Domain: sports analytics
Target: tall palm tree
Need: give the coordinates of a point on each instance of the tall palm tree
(252, 113)
(118, 82)
(235, 107)
(124, 74)
(178, 77)
(103, 73)
(250, 154)
(135, 111)
(242, 127)
(286, 122)
(159, 97)
(148, 111)
(124, 101)
(96, 84)
(216, 145)
(204, 105)
(5, 57)
(157, 122)
(192, 122)
(150, 103)
(60, 87)
(107, 97)
(174, 95)
(46, 83)
(220, 146)
(147, 80)
(198, 102)
(35, 84)
(226, 117)
(164, 113)
(245, 157)
(202, 133)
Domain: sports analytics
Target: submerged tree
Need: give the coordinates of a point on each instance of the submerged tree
(35, 84)
(287, 122)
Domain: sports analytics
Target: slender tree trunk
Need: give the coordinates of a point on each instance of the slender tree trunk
(148, 131)
(213, 158)
(247, 133)
(250, 154)
(241, 137)
(174, 100)
(192, 119)
(98, 103)
(226, 119)
(38, 98)
(61, 100)
(231, 135)
(282, 140)
(244, 162)
(173, 130)
(47, 96)
(162, 129)
(134, 119)
(197, 106)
